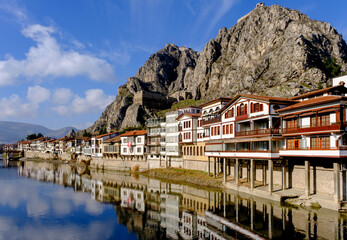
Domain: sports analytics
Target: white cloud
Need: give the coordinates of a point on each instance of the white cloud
(95, 100)
(62, 96)
(48, 59)
(38, 94)
(16, 107)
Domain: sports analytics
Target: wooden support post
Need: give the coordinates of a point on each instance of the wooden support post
(224, 170)
(252, 173)
(236, 171)
(337, 182)
(284, 175)
(209, 166)
(214, 167)
(264, 173)
(307, 178)
(270, 175)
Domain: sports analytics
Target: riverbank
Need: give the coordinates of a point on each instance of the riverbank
(180, 175)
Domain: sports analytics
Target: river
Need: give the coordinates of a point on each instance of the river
(41, 200)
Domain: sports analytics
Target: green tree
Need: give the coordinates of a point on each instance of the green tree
(102, 131)
(86, 134)
(331, 68)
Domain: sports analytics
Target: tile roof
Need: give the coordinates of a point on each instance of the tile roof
(264, 98)
(189, 114)
(134, 133)
(114, 139)
(221, 99)
(321, 91)
(312, 101)
(103, 135)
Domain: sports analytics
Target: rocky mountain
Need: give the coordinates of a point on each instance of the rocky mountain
(11, 132)
(271, 51)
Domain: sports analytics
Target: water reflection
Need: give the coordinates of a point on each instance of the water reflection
(159, 210)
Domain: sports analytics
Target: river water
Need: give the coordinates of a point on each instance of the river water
(41, 200)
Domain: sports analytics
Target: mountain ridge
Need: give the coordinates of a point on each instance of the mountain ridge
(272, 51)
(11, 132)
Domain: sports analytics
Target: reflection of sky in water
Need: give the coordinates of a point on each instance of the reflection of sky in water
(30, 209)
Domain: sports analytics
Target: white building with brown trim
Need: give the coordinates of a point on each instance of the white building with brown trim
(133, 145)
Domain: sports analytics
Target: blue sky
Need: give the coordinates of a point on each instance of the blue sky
(61, 61)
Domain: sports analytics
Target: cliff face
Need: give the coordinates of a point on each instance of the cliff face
(161, 77)
(271, 51)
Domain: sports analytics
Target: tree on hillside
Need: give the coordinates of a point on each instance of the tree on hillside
(86, 134)
(34, 136)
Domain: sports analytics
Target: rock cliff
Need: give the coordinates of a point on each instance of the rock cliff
(157, 84)
(271, 51)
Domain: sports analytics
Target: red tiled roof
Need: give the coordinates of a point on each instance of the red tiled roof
(264, 98)
(114, 139)
(312, 101)
(103, 135)
(189, 114)
(221, 99)
(83, 138)
(134, 133)
(317, 92)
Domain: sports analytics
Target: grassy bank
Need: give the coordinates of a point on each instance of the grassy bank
(184, 176)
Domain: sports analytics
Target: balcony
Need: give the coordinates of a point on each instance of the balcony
(330, 152)
(211, 120)
(314, 148)
(263, 131)
(309, 128)
(154, 122)
(153, 143)
(151, 134)
(153, 152)
(241, 117)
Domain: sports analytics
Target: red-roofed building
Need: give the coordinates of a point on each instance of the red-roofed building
(315, 140)
(97, 141)
(23, 145)
(133, 145)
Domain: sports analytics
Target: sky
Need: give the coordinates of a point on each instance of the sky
(62, 61)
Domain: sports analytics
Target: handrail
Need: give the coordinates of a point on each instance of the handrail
(310, 128)
(258, 132)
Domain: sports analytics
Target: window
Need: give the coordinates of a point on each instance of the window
(242, 109)
(125, 150)
(229, 113)
(320, 142)
(291, 123)
(139, 140)
(139, 150)
(256, 107)
(293, 144)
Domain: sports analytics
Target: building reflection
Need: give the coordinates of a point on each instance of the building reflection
(160, 210)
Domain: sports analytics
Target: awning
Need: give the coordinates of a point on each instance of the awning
(290, 116)
(308, 114)
(328, 110)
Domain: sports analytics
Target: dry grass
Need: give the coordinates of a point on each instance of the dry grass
(180, 175)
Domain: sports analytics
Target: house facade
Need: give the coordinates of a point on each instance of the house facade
(133, 145)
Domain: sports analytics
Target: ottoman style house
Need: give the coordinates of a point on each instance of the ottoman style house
(315, 141)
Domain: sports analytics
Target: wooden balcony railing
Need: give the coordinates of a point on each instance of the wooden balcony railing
(241, 117)
(153, 142)
(263, 131)
(314, 148)
(301, 129)
(211, 120)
